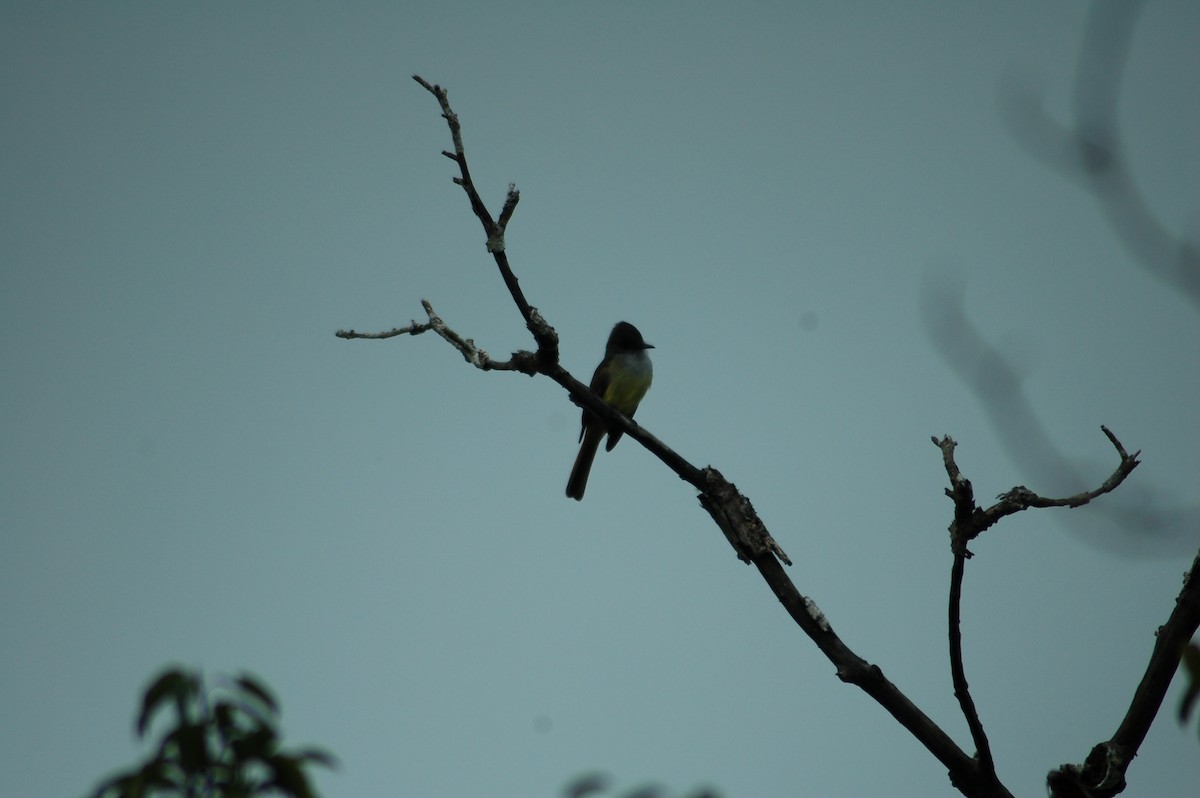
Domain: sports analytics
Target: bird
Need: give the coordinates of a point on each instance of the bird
(621, 380)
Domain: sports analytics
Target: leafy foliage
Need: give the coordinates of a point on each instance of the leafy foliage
(223, 743)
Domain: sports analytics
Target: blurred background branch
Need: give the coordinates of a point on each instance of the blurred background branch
(1091, 151)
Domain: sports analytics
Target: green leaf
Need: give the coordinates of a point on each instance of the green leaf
(173, 683)
(224, 719)
(258, 744)
(155, 776)
(322, 758)
(193, 750)
(1191, 663)
(256, 688)
(289, 776)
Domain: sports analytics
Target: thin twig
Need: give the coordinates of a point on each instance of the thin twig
(1021, 498)
(970, 521)
(459, 156)
(543, 333)
(522, 361)
(411, 329)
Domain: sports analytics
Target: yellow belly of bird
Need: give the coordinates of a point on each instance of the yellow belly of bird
(626, 387)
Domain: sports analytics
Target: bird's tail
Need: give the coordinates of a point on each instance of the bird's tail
(583, 462)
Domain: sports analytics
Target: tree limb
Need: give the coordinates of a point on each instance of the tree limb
(970, 520)
(1102, 774)
(522, 361)
(547, 339)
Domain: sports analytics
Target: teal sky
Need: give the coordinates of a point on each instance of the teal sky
(194, 469)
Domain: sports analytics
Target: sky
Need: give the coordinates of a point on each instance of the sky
(787, 199)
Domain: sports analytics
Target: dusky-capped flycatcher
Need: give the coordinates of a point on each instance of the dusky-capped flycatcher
(621, 380)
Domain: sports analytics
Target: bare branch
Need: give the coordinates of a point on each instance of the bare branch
(963, 769)
(1168, 648)
(1103, 772)
(958, 673)
(522, 361)
(1022, 498)
(459, 156)
(543, 334)
(736, 517)
(510, 204)
(411, 329)
(970, 521)
(965, 514)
